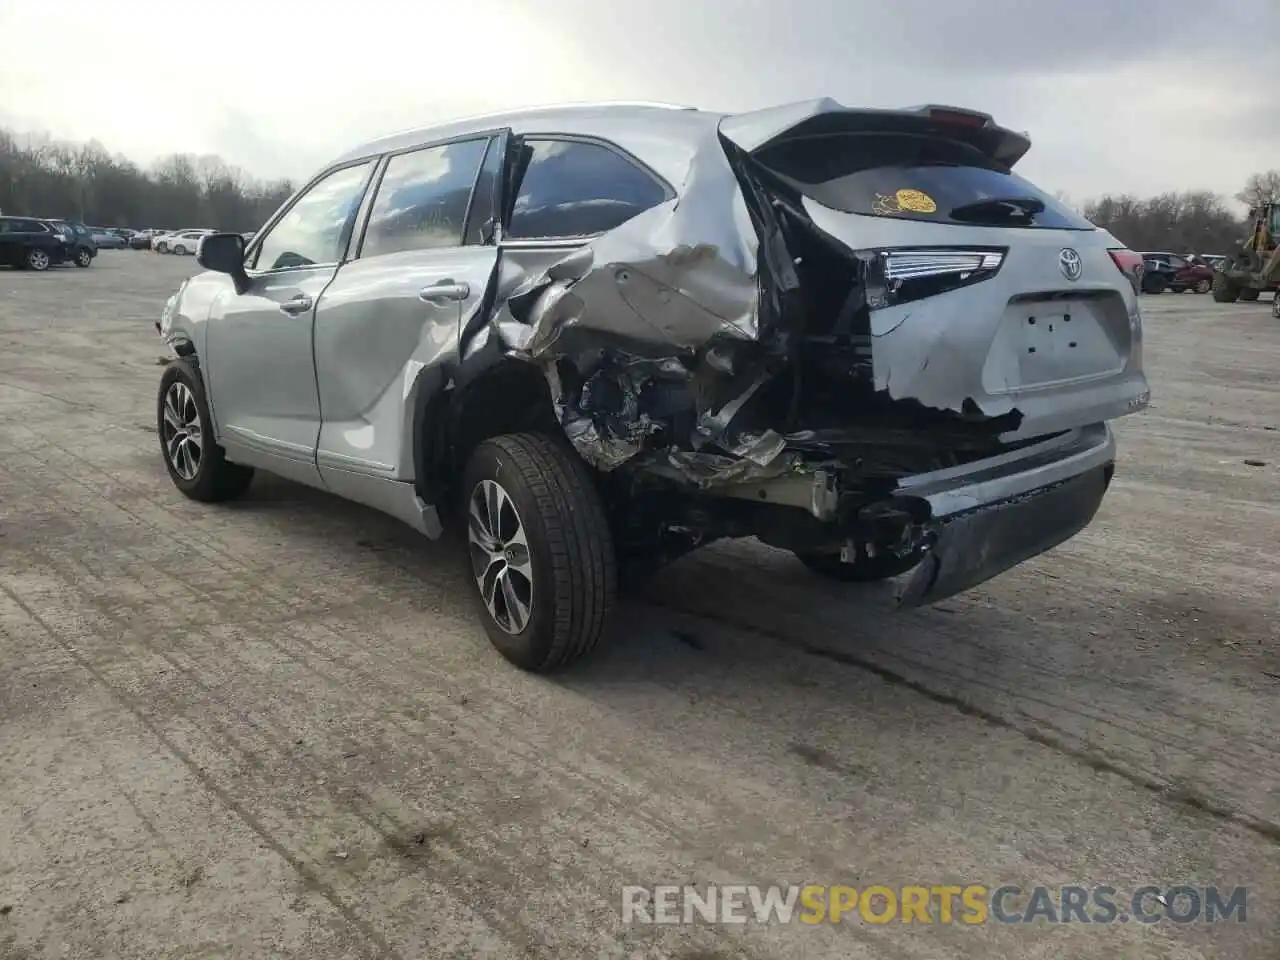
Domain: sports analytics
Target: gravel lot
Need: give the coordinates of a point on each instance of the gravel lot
(276, 729)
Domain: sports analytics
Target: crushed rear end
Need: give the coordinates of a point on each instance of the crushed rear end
(866, 335)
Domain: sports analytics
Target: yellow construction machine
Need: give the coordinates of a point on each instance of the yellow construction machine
(1255, 266)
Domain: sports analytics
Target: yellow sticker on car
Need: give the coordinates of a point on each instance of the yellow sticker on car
(916, 201)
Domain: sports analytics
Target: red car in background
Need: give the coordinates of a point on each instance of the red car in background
(1169, 271)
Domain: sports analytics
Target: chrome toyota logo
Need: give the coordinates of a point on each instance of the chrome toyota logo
(1069, 261)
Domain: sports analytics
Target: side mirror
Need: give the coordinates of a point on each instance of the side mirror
(224, 253)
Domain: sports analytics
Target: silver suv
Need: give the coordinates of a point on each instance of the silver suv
(599, 336)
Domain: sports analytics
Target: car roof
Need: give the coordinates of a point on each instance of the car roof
(608, 119)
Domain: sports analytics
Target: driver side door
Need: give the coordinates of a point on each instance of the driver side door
(260, 368)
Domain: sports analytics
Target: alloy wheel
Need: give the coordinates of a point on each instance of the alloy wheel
(500, 557)
(83, 258)
(180, 432)
(38, 260)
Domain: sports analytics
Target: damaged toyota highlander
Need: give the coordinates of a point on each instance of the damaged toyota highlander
(596, 337)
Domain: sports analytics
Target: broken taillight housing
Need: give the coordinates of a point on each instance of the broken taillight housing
(1130, 264)
(906, 274)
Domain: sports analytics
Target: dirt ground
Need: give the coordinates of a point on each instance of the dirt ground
(276, 729)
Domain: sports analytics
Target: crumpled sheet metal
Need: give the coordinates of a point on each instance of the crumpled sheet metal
(641, 300)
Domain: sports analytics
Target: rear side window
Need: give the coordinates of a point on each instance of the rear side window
(572, 188)
(422, 200)
(913, 177)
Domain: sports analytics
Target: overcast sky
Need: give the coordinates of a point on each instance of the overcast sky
(1118, 95)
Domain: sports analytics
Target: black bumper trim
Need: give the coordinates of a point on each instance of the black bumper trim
(975, 546)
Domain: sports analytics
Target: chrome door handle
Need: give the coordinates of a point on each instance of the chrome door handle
(299, 304)
(445, 290)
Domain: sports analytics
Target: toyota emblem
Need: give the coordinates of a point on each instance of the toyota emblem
(1069, 261)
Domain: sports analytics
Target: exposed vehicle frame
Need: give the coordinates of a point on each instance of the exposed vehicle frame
(732, 361)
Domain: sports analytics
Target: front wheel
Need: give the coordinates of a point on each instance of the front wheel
(37, 259)
(863, 570)
(1275, 305)
(540, 549)
(196, 464)
(1249, 294)
(162, 248)
(83, 257)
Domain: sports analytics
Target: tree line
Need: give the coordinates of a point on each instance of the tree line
(1193, 221)
(43, 178)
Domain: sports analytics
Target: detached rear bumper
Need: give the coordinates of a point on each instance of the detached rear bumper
(1008, 514)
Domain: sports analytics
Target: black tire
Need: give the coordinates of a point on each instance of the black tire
(162, 248)
(570, 548)
(215, 479)
(864, 570)
(84, 257)
(1275, 305)
(1249, 294)
(180, 250)
(1154, 283)
(1225, 289)
(37, 259)
(1203, 285)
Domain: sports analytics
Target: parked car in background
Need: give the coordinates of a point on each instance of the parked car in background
(32, 244)
(602, 336)
(1168, 271)
(85, 248)
(1212, 260)
(182, 243)
(107, 239)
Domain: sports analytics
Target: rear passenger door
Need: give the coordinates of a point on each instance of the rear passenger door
(387, 328)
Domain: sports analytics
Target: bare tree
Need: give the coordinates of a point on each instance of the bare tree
(1260, 188)
(42, 178)
(1196, 221)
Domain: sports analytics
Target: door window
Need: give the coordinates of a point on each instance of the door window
(422, 199)
(317, 227)
(572, 188)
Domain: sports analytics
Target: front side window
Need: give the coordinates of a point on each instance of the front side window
(572, 188)
(318, 226)
(422, 199)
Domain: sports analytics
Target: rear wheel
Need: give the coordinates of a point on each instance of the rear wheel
(196, 464)
(1249, 294)
(180, 250)
(1275, 305)
(1203, 285)
(540, 549)
(1225, 289)
(83, 257)
(1154, 283)
(862, 570)
(162, 248)
(37, 259)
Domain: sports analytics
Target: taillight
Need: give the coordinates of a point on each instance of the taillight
(1130, 264)
(905, 274)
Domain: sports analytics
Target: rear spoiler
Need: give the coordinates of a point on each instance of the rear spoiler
(758, 129)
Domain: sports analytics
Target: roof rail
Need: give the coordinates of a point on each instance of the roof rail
(540, 108)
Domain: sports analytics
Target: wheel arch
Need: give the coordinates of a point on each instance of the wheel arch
(490, 395)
